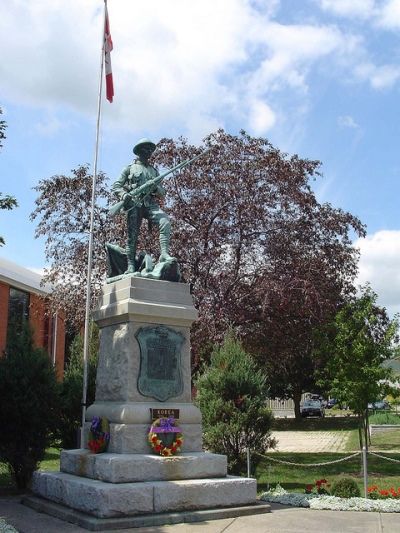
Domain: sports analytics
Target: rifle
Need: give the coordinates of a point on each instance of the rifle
(148, 186)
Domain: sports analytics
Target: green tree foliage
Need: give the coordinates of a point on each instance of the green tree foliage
(357, 346)
(70, 419)
(29, 405)
(8, 202)
(232, 397)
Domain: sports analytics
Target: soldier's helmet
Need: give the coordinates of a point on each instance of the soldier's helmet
(141, 143)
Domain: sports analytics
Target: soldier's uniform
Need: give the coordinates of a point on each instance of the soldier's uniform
(133, 176)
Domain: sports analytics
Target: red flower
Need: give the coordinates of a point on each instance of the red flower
(323, 480)
(154, 439)
(318, 483)
(173, 449)
(165, 452)
(178, 442)
(157, 448)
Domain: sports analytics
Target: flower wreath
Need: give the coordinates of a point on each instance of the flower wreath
(99, 435)
(165, 437)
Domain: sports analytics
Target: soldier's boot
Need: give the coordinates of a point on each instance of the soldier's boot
(164, 243)
(131, 256)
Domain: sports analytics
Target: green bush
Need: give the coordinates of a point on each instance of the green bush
(70, 418)
(345, 487)
(232, 398)
(29, 404)
(384, 418)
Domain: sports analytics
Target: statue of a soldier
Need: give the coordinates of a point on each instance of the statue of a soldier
(139, 190)
(138, 207)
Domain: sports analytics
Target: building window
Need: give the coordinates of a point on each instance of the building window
(18, 308)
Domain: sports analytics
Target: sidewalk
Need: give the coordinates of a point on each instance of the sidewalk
(311, 441)
(282, 519)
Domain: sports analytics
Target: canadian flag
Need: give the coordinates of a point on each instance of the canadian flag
(108, 46)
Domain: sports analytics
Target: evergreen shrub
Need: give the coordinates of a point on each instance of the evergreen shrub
(345, 487)
(232, 396)
(29, 404)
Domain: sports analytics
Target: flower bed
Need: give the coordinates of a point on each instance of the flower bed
(325, 502)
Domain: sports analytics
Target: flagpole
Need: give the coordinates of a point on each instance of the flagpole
(90, 250)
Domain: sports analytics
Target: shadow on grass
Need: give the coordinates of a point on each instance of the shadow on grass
(334, 423)
(52, 455)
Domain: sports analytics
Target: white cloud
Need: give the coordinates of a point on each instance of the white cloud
(389, 14)
(348, 8)
(187, 64)
(347, 122)
(379, 77)
(262, 118)
(379, 265)
(51, 125)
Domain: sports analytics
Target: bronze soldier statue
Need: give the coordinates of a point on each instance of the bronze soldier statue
(141, 201)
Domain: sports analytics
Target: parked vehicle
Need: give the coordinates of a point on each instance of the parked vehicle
(317, 397)
(382, 404)
(312, 408)
(331, 403)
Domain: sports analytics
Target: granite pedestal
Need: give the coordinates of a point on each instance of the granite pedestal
(144, 365)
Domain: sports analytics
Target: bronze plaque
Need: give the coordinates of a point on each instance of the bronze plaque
(160, 374)
(159, 412)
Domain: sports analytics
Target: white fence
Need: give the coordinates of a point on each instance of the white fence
(278, 403)
(375, 428)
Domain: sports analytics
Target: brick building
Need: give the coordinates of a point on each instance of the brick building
(22, 296)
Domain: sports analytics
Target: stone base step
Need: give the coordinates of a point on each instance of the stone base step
(109, 524)
(109, 500)
(134, 468)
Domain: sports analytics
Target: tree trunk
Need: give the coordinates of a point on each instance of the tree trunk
(296, 401)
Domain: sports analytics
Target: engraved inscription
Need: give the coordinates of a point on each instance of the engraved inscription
(159, 413)
(160, 374)
(162, 359)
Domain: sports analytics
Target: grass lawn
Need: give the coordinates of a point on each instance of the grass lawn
(381, 472)
(384, 474)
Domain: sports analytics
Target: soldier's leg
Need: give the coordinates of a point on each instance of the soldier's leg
(134, 221)
(158, 217)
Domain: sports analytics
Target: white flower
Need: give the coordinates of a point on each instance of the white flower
(6, 528)
(315, 501)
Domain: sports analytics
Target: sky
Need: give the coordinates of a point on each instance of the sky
(317, 78)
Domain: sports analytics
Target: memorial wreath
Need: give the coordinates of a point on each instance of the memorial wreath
(165, 437)
(99, 435)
